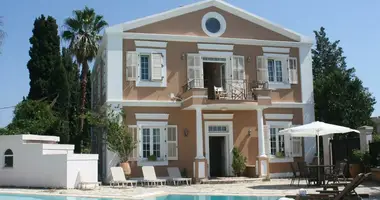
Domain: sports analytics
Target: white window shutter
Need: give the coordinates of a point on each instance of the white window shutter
(262, 69)
(195, 70)
(156, 66)
(296, 145)
(238, 68)
(288, 145)
(292, 68)
(285, 70)
(267, 139)
(172, 142)
(133, 131)
(132, 65)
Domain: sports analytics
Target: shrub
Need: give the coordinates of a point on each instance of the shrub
(238, 162)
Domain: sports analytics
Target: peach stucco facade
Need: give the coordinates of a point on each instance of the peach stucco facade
(190, 89)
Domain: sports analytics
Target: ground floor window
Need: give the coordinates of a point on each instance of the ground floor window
(277, 142)
(151, 142)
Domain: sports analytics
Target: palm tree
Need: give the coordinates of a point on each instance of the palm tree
(82, 30)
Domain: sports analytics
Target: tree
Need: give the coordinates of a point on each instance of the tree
(74, 86)
(83, 33)
(45, 57)
(32, 117)
(2, 32)
(339, 95)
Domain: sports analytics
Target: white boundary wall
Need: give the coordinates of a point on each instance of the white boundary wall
(37, 164)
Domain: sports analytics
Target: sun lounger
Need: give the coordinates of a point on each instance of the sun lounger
(349, 191)
(150, 176)
(118, 178)
(175, 176)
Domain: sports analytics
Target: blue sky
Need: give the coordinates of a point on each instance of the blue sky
(356, 24)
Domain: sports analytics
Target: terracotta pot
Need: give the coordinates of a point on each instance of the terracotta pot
(355, 169)
(126, 168)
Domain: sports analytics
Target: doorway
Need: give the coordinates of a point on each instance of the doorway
(214, 77)
(217, 158)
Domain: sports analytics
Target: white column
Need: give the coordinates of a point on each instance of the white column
(260, 132)
(199, 129)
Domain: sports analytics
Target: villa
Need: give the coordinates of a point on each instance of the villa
(200, 79)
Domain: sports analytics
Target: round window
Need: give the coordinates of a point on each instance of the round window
(213, 24)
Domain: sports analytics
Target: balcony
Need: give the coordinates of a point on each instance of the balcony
(201, 91)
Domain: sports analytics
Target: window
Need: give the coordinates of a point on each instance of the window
(275, 73)
(277, 142)
(218, 129)
(8, 158)
(145, 64)
(151, 143)
(213, 24)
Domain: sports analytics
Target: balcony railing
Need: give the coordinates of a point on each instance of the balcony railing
(227, 89)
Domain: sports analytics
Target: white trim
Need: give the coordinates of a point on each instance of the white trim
(276, 55)
(282, 175)
(202, 5)
(140, 43)
(151, 123)
(228, 142)
(218, 116)
(154, 103)
(278, 116)
(279, 85)
(195, 97)
(276, 50)
(156, 116)
(145, 103)
(215, 53)
(264, 97)
(278, 124)
(273, 159)
(152, 163)
(221, 20)
(220, 40)
(223, 47)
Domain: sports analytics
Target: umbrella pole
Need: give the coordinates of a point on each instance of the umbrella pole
(318, 148)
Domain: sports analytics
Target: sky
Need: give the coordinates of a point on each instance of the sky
(356, 24)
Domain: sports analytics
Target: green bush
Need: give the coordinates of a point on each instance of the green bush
(376, 137)
(238, 162)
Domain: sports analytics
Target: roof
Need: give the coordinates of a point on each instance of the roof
(202, 5)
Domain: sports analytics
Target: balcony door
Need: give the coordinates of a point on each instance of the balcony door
(238, 83)
(194, 71)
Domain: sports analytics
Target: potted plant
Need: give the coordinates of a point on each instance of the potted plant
(280, 155)
(118, 138)
(238, 162)
(355, 166)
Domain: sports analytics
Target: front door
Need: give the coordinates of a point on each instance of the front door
(217, 163)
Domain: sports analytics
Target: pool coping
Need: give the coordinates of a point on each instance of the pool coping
(135, 197)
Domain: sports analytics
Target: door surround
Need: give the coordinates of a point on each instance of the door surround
(228, 142)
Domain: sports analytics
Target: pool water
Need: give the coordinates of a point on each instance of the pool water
(43, 197)
(169, 197)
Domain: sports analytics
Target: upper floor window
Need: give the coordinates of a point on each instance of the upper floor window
(8, 158)
(275, 70)
(144, 66)
(279, 72)
(147, 67)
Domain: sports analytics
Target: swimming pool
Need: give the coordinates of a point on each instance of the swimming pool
(168, 197)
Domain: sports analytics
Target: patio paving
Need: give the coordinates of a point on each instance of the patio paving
(275, 187)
